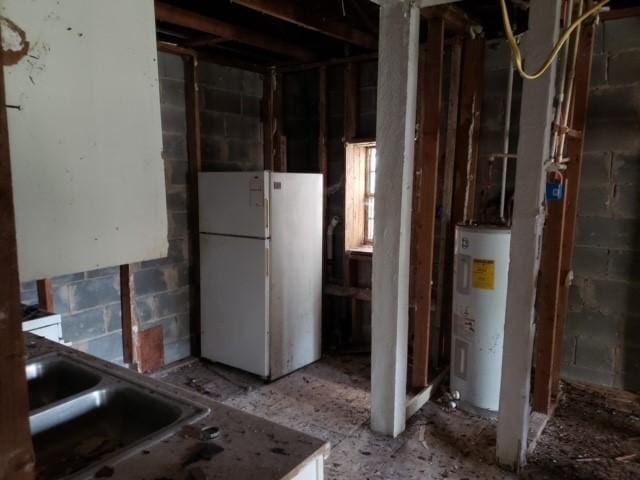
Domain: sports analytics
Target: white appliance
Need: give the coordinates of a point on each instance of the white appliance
(261, 269)
(481, 271)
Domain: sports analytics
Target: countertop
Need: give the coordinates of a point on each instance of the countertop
(254, 448)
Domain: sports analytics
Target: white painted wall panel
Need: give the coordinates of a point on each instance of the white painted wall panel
(86, 141)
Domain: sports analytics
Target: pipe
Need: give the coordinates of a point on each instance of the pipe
(330, 228)
(505, 140)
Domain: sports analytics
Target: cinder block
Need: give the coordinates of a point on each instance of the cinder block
(212, 123)
(29, 297)
(251, 106)
(252, 83)
(93, 292)
(222, 101)
(177, 350)
(617, 297)
(178, 224)
(145, 308)
(593, 354)
(178, 252)
(103, 272)
(595, 201)
(244, 128)
(113, 317)
(178, 173)
(582, 295)
(61, 299)
(69, 278)
(622, 34)
(177, 199)
(627, 380)
(629, 358)
(590, 261)
(176, 275)
(607, 233)
(624, 68)
(174, 147)
(173, 119)
(626, 203)
(596, 169)
(497, 55)
(107, 347)
(614, 102)
(84, 325)
(626, 169)
(599, 70)
(172, 93)
(625, 265)
(149, 281)
(586, 375)
(221, 77)
(594, 324)
(630, 329)
(173, 302)
(170, 66)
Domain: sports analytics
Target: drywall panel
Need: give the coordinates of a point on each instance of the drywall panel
(85, 133)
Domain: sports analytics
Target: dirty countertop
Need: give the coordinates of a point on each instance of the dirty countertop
(250, 447)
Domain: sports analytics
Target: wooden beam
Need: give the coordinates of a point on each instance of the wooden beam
(619, 13)
(559, 240)
(534, 150)
(351, 79)
(16, 450)
(572, 174)
(445, 247)
(184, 18)
(130, 346)
(466, 161)
(395, 133)
(45, 295)
(425, 198)
(194, 157)
(302, 16)
(417, 400)
(279, 140)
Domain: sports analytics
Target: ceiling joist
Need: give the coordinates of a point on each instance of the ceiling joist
(169, 14)
(292, 12)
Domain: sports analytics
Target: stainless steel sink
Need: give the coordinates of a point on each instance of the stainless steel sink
(84, 417)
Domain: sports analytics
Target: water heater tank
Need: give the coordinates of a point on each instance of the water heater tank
(481, 269)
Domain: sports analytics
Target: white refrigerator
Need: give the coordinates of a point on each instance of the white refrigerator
(261, 269)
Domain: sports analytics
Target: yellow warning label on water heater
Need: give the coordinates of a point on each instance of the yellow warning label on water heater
(483, 274)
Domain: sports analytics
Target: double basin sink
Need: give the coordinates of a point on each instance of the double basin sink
(84, 417)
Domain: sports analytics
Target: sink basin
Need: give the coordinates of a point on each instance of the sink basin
(54, 379)
(84, 417)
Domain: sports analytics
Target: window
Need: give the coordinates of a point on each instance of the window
(369, 193)
(360, 189)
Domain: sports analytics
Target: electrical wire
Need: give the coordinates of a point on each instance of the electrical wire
(517, 54)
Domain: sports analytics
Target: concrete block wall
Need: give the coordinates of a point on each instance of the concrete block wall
(602, 335)
(89, 302)
(301, 120)
(230, 114)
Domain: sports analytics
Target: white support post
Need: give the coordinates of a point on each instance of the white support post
(395, 134)
(526, 234)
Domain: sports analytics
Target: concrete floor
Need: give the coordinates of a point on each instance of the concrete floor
(330, 400)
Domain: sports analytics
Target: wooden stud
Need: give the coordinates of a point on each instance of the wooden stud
(16, 450)
(572, 174)
(194, 154)
(279, 140)
(170, 14)
(267, 120)
(426, 185)
(351, 79)
(45, 295)
(446, 230)
(300, 15)
(130, 346)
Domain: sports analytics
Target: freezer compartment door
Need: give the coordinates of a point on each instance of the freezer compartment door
(234, 283)
(234, 203)
(296, 271)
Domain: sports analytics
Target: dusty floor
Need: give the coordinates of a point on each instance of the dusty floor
(330, 400)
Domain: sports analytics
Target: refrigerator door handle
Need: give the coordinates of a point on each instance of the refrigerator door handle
(266, 261)
(266, 213)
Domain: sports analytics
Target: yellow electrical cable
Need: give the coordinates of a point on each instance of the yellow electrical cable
(517, 54)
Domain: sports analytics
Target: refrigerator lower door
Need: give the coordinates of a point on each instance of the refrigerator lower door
(296, 271)
(234, 292)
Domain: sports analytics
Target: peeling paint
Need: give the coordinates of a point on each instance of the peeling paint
(14, 42)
